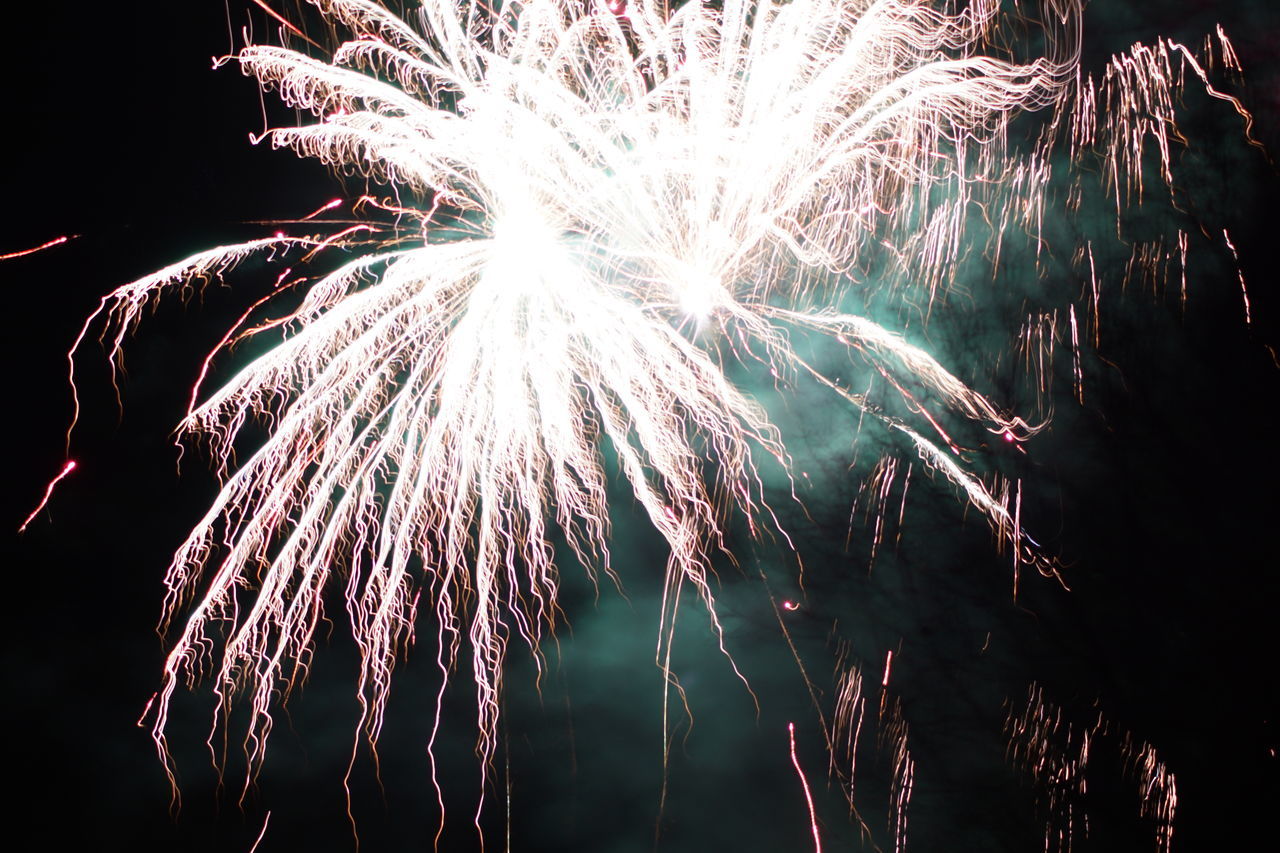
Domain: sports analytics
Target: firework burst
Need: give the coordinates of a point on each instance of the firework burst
(585, 217)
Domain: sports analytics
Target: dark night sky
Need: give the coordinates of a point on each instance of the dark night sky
(1159, 494)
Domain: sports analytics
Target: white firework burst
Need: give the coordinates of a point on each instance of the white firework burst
(597, 208)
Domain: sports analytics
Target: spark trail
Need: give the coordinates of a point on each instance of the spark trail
(598, 210)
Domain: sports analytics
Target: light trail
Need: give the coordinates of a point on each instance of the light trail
(808, 795)
(48, 493)
(262, 834)
(49, 244)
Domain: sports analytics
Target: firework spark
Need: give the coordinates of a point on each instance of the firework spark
(1044, 743)
(48, 244)
(804, 784)
(48, 493)
(597, 211)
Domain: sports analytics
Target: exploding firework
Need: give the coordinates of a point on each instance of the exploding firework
(583, 224)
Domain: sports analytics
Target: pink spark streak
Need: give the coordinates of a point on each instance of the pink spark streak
(49, 245)
(48, 492)
(808, 796)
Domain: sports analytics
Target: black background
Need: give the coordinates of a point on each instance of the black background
(1165, 489)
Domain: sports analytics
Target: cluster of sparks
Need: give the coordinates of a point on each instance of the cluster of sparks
(1056, 754)
(892, 742)
(597, 210)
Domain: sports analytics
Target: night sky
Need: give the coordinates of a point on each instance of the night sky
(1158, 495)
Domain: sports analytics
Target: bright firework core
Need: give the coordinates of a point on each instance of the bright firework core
(444, 410)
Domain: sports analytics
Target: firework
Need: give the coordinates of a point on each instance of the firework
(586, 218)
(1043, 742)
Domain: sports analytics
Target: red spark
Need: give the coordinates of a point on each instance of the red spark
(49, 245)
(147, 710)
(284, 22)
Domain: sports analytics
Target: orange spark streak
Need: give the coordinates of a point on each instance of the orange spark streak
(284, 22)
(337, 202)
(1244, 289)
(808, 796)
(333, 240)
(48, 492)
(147, 709)
(330, 206)
(49, 245)
(261, 834)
